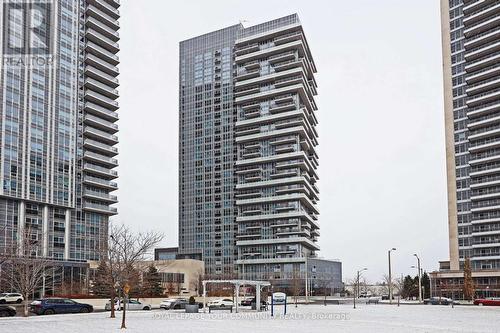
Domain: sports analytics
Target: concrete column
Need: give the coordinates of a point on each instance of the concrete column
(21, 223)
(204, 297)
(45, 232)
(257, 296)
(236, 292)
(67, 234)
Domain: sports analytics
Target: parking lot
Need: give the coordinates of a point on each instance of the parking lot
(304, 318)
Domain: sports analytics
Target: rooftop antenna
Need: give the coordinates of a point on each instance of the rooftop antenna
(243, 21)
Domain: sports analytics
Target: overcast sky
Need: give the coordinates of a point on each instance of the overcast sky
(381, 123)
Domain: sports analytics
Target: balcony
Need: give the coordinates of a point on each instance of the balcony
(482, 50)
(101, 76)
(102, 100)
(252, 65)
(104, 209)
(101, 112)
(247, 131)
(482, 38)
(94, 133)
(484, 74)
(476, 10)
(102, 65)
(286, 65)
(102, 17)
(247, 91)
(252, 106)
(246, 49)
(287, 38)
(102, 53)
(284, 174)
(252, 113)
(277, 108)
(94, 157)
(100, 123)
(483, 62)
(285, 56)
(100, 196)
(245, 75)
(102, 28)
(484, 97)
(285, 149)
(102, 40)
(106, 8)
(101, 88)
(484, 110)
(100, 147)
(99, 182)
(101, 171)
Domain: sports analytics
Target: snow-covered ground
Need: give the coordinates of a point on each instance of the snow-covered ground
(305, 318)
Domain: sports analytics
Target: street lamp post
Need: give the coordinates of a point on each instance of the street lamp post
(390, 274)
(355, 288)
(419, 279)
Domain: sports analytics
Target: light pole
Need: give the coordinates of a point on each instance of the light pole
(355, 288)
(390, 274)
(419, 280)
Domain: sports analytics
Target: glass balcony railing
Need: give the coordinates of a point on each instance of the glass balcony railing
(101, 121)
(101, 181)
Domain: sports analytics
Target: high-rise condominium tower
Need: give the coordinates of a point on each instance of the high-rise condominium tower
(471, 59)
(248, 163)
(57, 113)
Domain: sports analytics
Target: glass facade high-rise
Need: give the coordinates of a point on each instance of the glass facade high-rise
(471, 67)
(248, 179)
(207, 150)
(57, 144)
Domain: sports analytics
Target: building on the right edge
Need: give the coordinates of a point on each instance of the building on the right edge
(471, 67)
(276, 138)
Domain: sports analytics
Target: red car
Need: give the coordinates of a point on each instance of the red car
(494, 301)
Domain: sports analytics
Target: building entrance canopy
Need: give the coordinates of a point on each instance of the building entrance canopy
(237, 284)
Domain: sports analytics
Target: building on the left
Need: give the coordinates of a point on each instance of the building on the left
(58, 114)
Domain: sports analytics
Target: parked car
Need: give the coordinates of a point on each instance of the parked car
(131, 305)
(373, 300)
(11, 298)
(440, 301)
(223, 302)
(247, 301)
(174, 304)
(7, 311)
(491, 301)
(279, 298)
(48, 306)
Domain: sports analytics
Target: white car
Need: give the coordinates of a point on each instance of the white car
(221, 303)
(11, 298)
(131, 305)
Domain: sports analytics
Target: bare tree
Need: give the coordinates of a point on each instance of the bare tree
(196, 282)
(385, 284)
(468, 288)
(23, 266)
(296, 285)
(128, 249)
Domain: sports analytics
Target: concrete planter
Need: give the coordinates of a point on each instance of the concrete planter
(192, 308)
